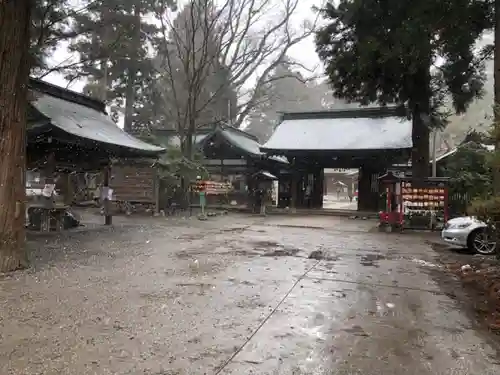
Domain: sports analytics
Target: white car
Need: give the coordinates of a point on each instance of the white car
(469, 232)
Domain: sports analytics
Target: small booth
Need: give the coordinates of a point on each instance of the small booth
(409, 204)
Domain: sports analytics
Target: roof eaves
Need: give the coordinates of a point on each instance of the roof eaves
(225, 134)
(71, 96)
(238, 131)
(51, 107)
(345, 113)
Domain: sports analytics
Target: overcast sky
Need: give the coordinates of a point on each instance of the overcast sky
(304, 52)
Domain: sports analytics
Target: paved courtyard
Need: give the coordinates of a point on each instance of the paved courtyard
(236, 295)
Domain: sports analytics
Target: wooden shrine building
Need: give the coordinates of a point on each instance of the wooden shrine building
(233, 155)
(368, 139)
(69, 132)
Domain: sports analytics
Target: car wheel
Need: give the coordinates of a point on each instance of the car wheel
(480, 241)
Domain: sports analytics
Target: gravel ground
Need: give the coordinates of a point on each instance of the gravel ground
(235, 295)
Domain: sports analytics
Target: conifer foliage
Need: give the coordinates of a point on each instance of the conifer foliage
(416, 54)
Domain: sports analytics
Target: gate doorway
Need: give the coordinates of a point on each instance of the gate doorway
(341, 189)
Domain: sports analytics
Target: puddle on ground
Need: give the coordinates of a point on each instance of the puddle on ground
(321, 255)
(265, 244)
(370, 260)
(189, 254)
(425, 263)
(356, 331)
(275, 249)
(201, 288)
(244, 253)
(284, 252)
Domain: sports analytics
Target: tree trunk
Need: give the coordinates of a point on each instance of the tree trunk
(420, 152)
(129, 100)
(130, 96)
(420, 135)
(496, 166)
(496, 124)
(14, 75)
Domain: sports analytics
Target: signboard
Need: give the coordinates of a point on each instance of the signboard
(423, 198)
(213, 187)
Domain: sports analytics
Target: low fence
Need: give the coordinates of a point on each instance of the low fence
(458, 204)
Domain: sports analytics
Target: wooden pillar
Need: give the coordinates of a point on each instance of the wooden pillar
(363, 189)
(319, 185)
(108, 219)
(293, 192)
(293, 187)
(157, 185)
(68, 194)
(50, 168)
(367, 196)
(249, 191)
(48, 201)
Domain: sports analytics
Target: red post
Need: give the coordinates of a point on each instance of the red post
(388, 199)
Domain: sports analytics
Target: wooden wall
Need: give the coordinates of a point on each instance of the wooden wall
(133, 183)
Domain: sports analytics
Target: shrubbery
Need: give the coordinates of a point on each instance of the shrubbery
(487, 208)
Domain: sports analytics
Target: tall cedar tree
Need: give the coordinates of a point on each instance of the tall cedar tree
(14, 72)
(113, 47)
(384, 51)
(50, 26)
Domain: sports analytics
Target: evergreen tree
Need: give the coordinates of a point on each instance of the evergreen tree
(50, 25)
(113, 46)
(383, 51)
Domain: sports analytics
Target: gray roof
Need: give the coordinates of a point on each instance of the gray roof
(445, 155)
(341, 130)
(242, 140)
(246, 142)
(86, 122)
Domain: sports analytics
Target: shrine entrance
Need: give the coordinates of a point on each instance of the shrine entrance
(366, 140)
(340, 189)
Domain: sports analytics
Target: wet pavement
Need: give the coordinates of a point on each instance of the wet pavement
(333, 203)
(237, 295)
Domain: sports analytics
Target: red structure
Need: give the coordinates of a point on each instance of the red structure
(410, 205)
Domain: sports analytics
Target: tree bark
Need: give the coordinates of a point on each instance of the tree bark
(420, 152)
(420, 108)
(496, 166)
(14, 76)
(130, 96)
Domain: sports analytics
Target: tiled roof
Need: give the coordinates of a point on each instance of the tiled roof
(245, 142)
(360, 129)
(82, 117)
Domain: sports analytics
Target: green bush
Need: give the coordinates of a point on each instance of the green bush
(487, 210)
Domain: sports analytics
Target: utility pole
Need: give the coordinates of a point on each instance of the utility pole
(434, 162)
(434, 173)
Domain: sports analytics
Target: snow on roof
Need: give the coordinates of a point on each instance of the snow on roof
(359, 129)
(242, 140)
(83, 119)
(246, 142)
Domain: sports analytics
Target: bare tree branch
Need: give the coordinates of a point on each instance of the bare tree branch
(247, 39)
